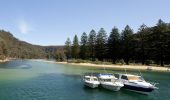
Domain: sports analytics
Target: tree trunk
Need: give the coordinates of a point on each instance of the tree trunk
(162, 60)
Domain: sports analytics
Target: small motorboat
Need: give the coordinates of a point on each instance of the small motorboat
(136, 83)
(91, 81)
(109, 81)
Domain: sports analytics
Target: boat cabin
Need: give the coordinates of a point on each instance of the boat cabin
(129, 77)
(106, 77)
(90, 78)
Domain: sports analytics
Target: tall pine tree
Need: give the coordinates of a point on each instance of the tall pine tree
(68, 48)
(114, 45)
(84, 46)
(75, 48)
(127, 47)
(159, 41)
(141, 41)
(101, 44)
(92, 44)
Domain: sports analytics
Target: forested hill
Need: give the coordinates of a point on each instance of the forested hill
(15, 48)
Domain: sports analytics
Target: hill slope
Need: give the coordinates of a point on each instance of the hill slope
(14, 48)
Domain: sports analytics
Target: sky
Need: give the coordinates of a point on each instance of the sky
(51, 22)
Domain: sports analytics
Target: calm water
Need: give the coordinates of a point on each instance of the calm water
(25, 80)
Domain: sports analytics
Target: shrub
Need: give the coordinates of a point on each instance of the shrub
(148, 62)
(120, 61)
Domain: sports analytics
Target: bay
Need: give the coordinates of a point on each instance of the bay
(38, 80)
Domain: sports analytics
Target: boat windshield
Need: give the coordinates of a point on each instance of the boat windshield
(95, 79)
(88, 79)
(107, 80)
(138, 78)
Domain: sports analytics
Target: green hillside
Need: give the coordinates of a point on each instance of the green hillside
(15, 48)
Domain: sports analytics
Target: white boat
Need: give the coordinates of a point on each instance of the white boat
(136, 83)
(109, 81)
(91, 81)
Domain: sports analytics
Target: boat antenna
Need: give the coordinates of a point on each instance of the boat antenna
(140, 73)
(125, 71)
(104, 68)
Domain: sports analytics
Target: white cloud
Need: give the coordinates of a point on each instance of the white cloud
(23, 27)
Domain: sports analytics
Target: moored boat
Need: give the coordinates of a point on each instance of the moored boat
(109, 81)
(136, 83)
(91, 81)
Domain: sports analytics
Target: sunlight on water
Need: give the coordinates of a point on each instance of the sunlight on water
(26, 79)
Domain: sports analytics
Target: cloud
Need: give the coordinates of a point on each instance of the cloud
(23, 27)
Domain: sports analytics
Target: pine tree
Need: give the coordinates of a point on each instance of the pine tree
(75, 48)
(101, 44)
(142, 47)
(127, 37)
(114, 45)
(92, 44)
(68, 48)
(84, 46)
(159, 39)
(59, 55)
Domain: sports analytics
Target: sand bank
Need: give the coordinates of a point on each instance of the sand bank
(112, 66)
(5, 60)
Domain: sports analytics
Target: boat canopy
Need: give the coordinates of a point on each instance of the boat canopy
(90, 77)
(106, 76)
(134, 77)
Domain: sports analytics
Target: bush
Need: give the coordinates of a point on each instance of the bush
(148, 62)
(77, 61)
(120, 61)
(132, 61)
(2, 57)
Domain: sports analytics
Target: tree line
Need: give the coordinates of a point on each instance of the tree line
(149, 45)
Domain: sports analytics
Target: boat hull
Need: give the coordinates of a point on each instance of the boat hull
(91, 85)
(111, 87)
(138, 89)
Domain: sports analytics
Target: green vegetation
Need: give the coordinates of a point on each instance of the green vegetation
(92, 44)
(68, 48)
(11, 47)
(114, 45)
(101, 44)
(84, 46)
(75, 48)
(14, 48)
(150, 45)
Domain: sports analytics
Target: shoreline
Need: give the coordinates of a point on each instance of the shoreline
(113, 66)
(5, 60)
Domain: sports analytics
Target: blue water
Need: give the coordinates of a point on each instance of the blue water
(37, 80)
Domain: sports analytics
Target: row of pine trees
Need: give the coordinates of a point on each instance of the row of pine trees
(148, 45)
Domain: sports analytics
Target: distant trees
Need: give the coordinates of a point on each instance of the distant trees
(68, 48)
(142, 47)
(84, 46)
(101, 44)
(3, 50)
(127, 46)
(14, 48)
(75, 48)
(149, 45)
(60, 56)
(92, 44)
(114, 45)
(159, 39)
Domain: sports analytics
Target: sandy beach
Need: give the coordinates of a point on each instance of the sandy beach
(112, 66)
(5, 60)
